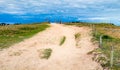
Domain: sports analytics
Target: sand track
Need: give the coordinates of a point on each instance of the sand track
(25, 55)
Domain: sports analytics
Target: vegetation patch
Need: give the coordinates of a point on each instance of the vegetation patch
(45, 53)
(77, 38)
(17, 53)
(62, 40)
(11, 34)
(77, 35)
(110, 38)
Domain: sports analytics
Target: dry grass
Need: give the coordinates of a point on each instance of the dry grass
(111, 37)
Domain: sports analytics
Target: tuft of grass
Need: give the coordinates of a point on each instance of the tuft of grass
(11, 34)
(62, 40)
(77, 37)
(45, 53)
(17, 53)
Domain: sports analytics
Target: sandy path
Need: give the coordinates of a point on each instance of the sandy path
(25, 55)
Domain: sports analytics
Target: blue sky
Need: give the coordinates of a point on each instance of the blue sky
(26, 11)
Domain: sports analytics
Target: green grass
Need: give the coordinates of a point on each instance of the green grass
(12, 34)
(62, 40)
(78, 24)
(46, 53)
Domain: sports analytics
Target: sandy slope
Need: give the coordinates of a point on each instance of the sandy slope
(25, 55)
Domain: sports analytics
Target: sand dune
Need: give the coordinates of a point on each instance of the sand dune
(25, 55)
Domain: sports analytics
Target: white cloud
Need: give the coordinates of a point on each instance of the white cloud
(98, 18)
(24, 17)
(56, 6)
(95, 18)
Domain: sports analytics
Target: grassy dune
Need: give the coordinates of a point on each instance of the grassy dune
(11, 34)
(111, 37)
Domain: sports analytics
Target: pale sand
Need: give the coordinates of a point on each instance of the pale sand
(25, 55)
